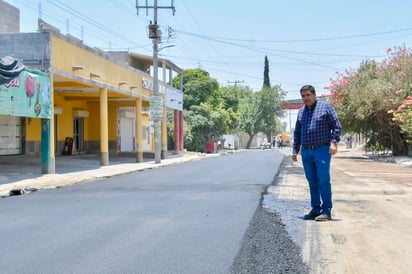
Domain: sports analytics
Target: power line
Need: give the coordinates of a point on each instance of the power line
(225, 41)
(302, 40)
(103, 33)
(264, 51)
(201, 30)
(87, 19)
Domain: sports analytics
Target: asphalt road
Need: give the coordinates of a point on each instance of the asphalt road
(197, 217)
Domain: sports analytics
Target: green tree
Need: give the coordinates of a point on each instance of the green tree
(260, 112)
(198, 87)
(226, 100)
(266, 81)
(199, 126)
(271, 109)
(249, 115)
(211, 112)
(227, 97)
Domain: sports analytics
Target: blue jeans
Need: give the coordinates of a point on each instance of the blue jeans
(316, 163)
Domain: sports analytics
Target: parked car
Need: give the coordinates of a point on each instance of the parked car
(266, 146)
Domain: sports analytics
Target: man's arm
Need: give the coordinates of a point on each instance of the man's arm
(336, 129)
(296, 138)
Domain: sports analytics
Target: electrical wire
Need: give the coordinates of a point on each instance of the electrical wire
(304, 40)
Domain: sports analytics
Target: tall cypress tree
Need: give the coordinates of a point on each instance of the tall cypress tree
(266, 81)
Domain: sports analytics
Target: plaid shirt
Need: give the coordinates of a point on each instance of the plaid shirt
(317, 126)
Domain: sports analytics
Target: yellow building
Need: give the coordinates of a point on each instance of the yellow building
(100, 99)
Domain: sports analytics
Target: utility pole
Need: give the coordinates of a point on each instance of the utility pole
(156, 101)
(236, 82)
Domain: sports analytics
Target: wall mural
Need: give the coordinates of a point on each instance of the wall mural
(26, 95)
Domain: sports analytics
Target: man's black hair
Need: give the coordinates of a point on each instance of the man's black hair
(309, 88)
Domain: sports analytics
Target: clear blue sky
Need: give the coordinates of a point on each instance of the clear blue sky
(306, 42)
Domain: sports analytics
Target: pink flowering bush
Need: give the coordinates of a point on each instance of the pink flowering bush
(401, 76)
(403, 113)
(376, 99)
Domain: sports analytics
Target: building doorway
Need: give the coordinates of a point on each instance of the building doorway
(10, 135)
(78, 134)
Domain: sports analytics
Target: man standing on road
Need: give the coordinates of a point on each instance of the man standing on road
(317, 132)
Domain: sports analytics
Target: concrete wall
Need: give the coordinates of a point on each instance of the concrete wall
(9, 18)
(32, 49)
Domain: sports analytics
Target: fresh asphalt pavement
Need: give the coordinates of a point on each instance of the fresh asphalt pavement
(186, 218)
(24, 171)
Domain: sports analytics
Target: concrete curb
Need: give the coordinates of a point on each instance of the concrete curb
(50, 181)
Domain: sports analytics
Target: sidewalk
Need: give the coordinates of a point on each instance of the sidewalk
(21, 174)
(372, 214)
